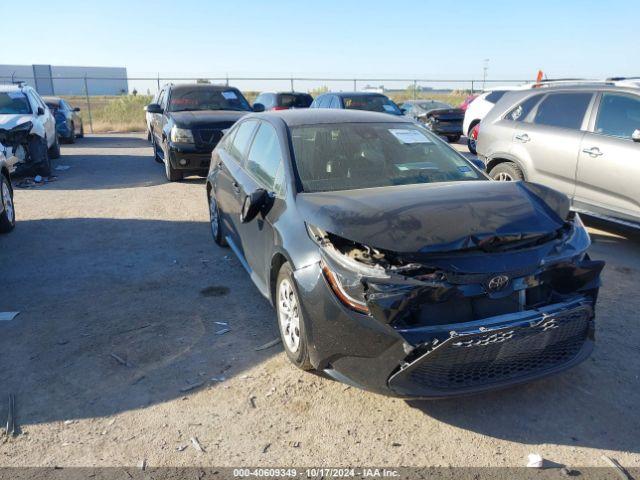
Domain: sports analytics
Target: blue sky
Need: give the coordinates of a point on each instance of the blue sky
(333, 38)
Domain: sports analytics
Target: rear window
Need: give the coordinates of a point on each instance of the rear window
(14, 103)
(372, 103)
(494, 96)
(289, 100)
(349, 156)
(563, 110)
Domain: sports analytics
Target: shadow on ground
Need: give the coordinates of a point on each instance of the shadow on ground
(113, 140)
(97, 293)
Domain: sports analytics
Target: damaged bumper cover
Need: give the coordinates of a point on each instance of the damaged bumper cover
(470, 322)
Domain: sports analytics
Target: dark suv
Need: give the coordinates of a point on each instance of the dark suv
(188, 121)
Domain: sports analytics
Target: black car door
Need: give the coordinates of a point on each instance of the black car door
(263, 169)
(227, 186)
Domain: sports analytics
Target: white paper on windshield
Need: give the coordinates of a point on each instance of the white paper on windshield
(389, 108)
(230, 95)
(405, 135)
(15, 95)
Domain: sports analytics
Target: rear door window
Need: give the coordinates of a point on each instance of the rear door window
(242, 139)
(265, 156)
(618, 115)
(335, 103)
(563, 110)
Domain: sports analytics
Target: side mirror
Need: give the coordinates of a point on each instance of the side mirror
(154, 108)
(252, 205)
(258, 107)
(77, 109)
(635, 136)
(403, 110)
(40, 111)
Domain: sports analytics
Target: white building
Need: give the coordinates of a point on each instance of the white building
(56, 80)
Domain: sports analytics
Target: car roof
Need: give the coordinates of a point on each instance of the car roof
(359, 94)
(52, 99)
(284, 93)
(10, 88)
(297, 117)
(204, 86)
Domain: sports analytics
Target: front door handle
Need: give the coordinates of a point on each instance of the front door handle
(522, 137)
(236, 188)
(593, 151)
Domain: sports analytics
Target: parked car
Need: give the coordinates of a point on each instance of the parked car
(283, 100)
(21, 105)
(357, 227)
(68, 121)
(373, 102)
(583, 141)
(7, 209)
(187, 123)
(439, 117)
(479, 108)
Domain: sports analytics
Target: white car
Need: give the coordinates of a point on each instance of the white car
(21, 105)
(479, 108)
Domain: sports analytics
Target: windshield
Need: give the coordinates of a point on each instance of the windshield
(432, 105)
(350, 156)
(207, 99)
(298, 100)
(372, 103)
(14, 103)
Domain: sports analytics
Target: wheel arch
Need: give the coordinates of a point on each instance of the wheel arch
(278, 259)
(504, 158)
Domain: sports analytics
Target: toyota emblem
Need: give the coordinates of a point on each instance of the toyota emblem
(498, 282)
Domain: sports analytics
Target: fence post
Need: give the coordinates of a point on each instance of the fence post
(471, 87)
(158, 80)
(415, 89)
(86, 93)
(227, 84)
(355, 88)
(292, 90)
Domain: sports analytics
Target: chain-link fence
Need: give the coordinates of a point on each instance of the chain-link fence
(117, 103)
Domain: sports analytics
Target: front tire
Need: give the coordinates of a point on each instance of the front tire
(171, 173)
(8, 214)
(215, 221)
(39, 156)
(506, 172)
(290, 319)
(54, 151)
(72, 137)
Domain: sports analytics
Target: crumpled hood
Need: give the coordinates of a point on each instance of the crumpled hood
(7, 122)
(206, 117)
(437, 217)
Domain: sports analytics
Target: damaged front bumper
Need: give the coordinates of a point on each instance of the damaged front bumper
(453, 336)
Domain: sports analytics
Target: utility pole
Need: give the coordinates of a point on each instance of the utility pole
(484, 72)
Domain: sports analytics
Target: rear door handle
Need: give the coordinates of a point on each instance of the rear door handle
(593, 151)
(522, 137)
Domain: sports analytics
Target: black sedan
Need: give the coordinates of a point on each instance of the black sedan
(187, 123)
(393, 263)
(68, 120)
(439, 117)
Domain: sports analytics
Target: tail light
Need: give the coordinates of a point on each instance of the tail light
(475, 131)
(280, 108)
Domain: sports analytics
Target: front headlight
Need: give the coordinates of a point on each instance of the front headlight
(181, 135)
(344, 274)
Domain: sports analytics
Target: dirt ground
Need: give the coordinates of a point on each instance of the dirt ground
(112, 259)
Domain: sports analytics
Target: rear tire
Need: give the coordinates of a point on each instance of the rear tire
(81, 134)
(8, 214)
(156, 157)
(290, 319)
(72, 137)
(506, 172)
(453, 138)
(54, 151)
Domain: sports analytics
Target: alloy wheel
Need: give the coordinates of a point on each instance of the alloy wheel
(503, 177)
(289, 315)
(7, 201)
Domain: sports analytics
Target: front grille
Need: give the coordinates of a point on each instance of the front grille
(476, 360)
(208, 136)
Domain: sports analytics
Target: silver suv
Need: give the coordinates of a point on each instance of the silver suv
(583, 141)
